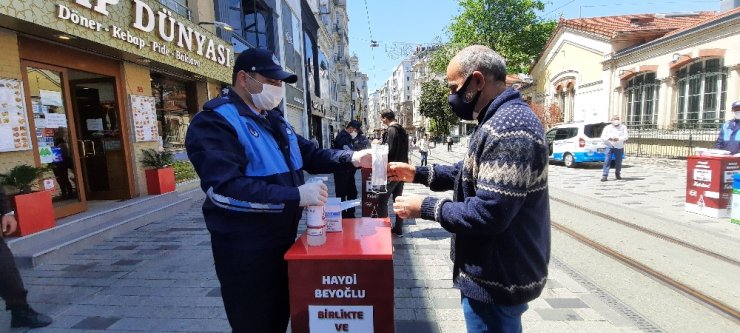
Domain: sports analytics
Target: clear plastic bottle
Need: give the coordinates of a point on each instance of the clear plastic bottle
(316, 221)
(333, 213)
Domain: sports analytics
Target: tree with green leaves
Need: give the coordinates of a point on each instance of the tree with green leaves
(433, 105)
(510, 27)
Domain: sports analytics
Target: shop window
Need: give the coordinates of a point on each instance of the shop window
(173, 116)
(702, 92)
(642, 99)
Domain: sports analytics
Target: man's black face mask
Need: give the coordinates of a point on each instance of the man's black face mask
(462, 108)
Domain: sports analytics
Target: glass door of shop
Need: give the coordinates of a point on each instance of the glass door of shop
(99, 139)
(55, 139)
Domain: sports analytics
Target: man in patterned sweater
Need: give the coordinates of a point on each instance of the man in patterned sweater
(499, 214)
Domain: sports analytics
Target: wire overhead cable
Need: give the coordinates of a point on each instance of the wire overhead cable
(373, 43)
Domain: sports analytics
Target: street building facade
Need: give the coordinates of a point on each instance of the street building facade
(571, 73)
(123, 76)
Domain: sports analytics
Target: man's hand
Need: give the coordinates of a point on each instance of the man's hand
(312, 194)
(401, 172)
(408, 206)
(363, 158)
(9, 224)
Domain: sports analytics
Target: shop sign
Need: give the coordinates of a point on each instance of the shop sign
(343, 318)
(176, 39)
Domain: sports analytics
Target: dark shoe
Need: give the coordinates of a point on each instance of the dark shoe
(397, 231)
(29, 318)
(619, 177)
(603, 179)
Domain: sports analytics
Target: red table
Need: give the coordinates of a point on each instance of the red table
(709, 184)
(345, 285)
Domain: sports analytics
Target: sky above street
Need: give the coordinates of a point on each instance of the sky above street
(399, 25)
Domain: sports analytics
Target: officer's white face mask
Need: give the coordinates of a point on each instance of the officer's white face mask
(353, 134)
(737, 114)
(269, 98)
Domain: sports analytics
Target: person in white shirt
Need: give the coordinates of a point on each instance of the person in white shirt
(614, 136)
(424, 149)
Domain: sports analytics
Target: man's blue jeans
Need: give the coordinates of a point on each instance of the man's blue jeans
(618, 153)
(489, 318)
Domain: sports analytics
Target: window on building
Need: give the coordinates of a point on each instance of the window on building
(178, 6)
(642, 100)
(257, 24)
(252, 23)
(702, 92)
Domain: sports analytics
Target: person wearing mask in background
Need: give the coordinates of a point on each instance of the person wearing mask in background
(398, 151)
(499, 215)
(614, 136)
(729, 134)
(424, 149)
(251, 162)
(11, 284)
(344, 180)
(449, 143)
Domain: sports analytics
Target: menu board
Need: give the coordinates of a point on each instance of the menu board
(14, 133)
(143, 109)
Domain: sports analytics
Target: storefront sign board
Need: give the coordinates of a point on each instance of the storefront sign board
(145, 28)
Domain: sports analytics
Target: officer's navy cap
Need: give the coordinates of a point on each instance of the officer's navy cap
(264, 62)
(736, 106)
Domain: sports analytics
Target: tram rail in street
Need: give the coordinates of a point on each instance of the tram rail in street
(703, 298)
(650, 232)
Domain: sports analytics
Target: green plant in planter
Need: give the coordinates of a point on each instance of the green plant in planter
(156, 159)
(23, 177)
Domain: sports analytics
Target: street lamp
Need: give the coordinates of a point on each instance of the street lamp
(218, 24)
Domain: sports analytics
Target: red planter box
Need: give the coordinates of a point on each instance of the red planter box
(160, 181)
(34, 212)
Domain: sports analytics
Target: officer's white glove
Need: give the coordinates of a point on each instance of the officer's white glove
(313, 194)
(363, 158)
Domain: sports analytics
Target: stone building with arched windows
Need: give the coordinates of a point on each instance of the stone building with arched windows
(592, 68)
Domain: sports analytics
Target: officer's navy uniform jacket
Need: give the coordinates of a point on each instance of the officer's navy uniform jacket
(250, 167)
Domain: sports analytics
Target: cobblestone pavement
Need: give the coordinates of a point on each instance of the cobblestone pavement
(160, 278)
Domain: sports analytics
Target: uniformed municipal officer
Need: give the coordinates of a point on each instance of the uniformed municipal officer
(250, 162)
(729, 133)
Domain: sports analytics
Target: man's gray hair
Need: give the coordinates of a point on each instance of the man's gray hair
(481, 58)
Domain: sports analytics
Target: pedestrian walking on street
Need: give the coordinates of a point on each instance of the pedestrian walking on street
(449, 143)
(11, 284)
(729, 134)
(344, 180)
(250, 162)
(398, 151)
(424, 149)
(499, 215)
(614, 136)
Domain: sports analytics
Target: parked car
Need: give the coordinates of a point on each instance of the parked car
(576, 142)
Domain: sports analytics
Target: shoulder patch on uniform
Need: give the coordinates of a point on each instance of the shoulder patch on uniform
(252, 130)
